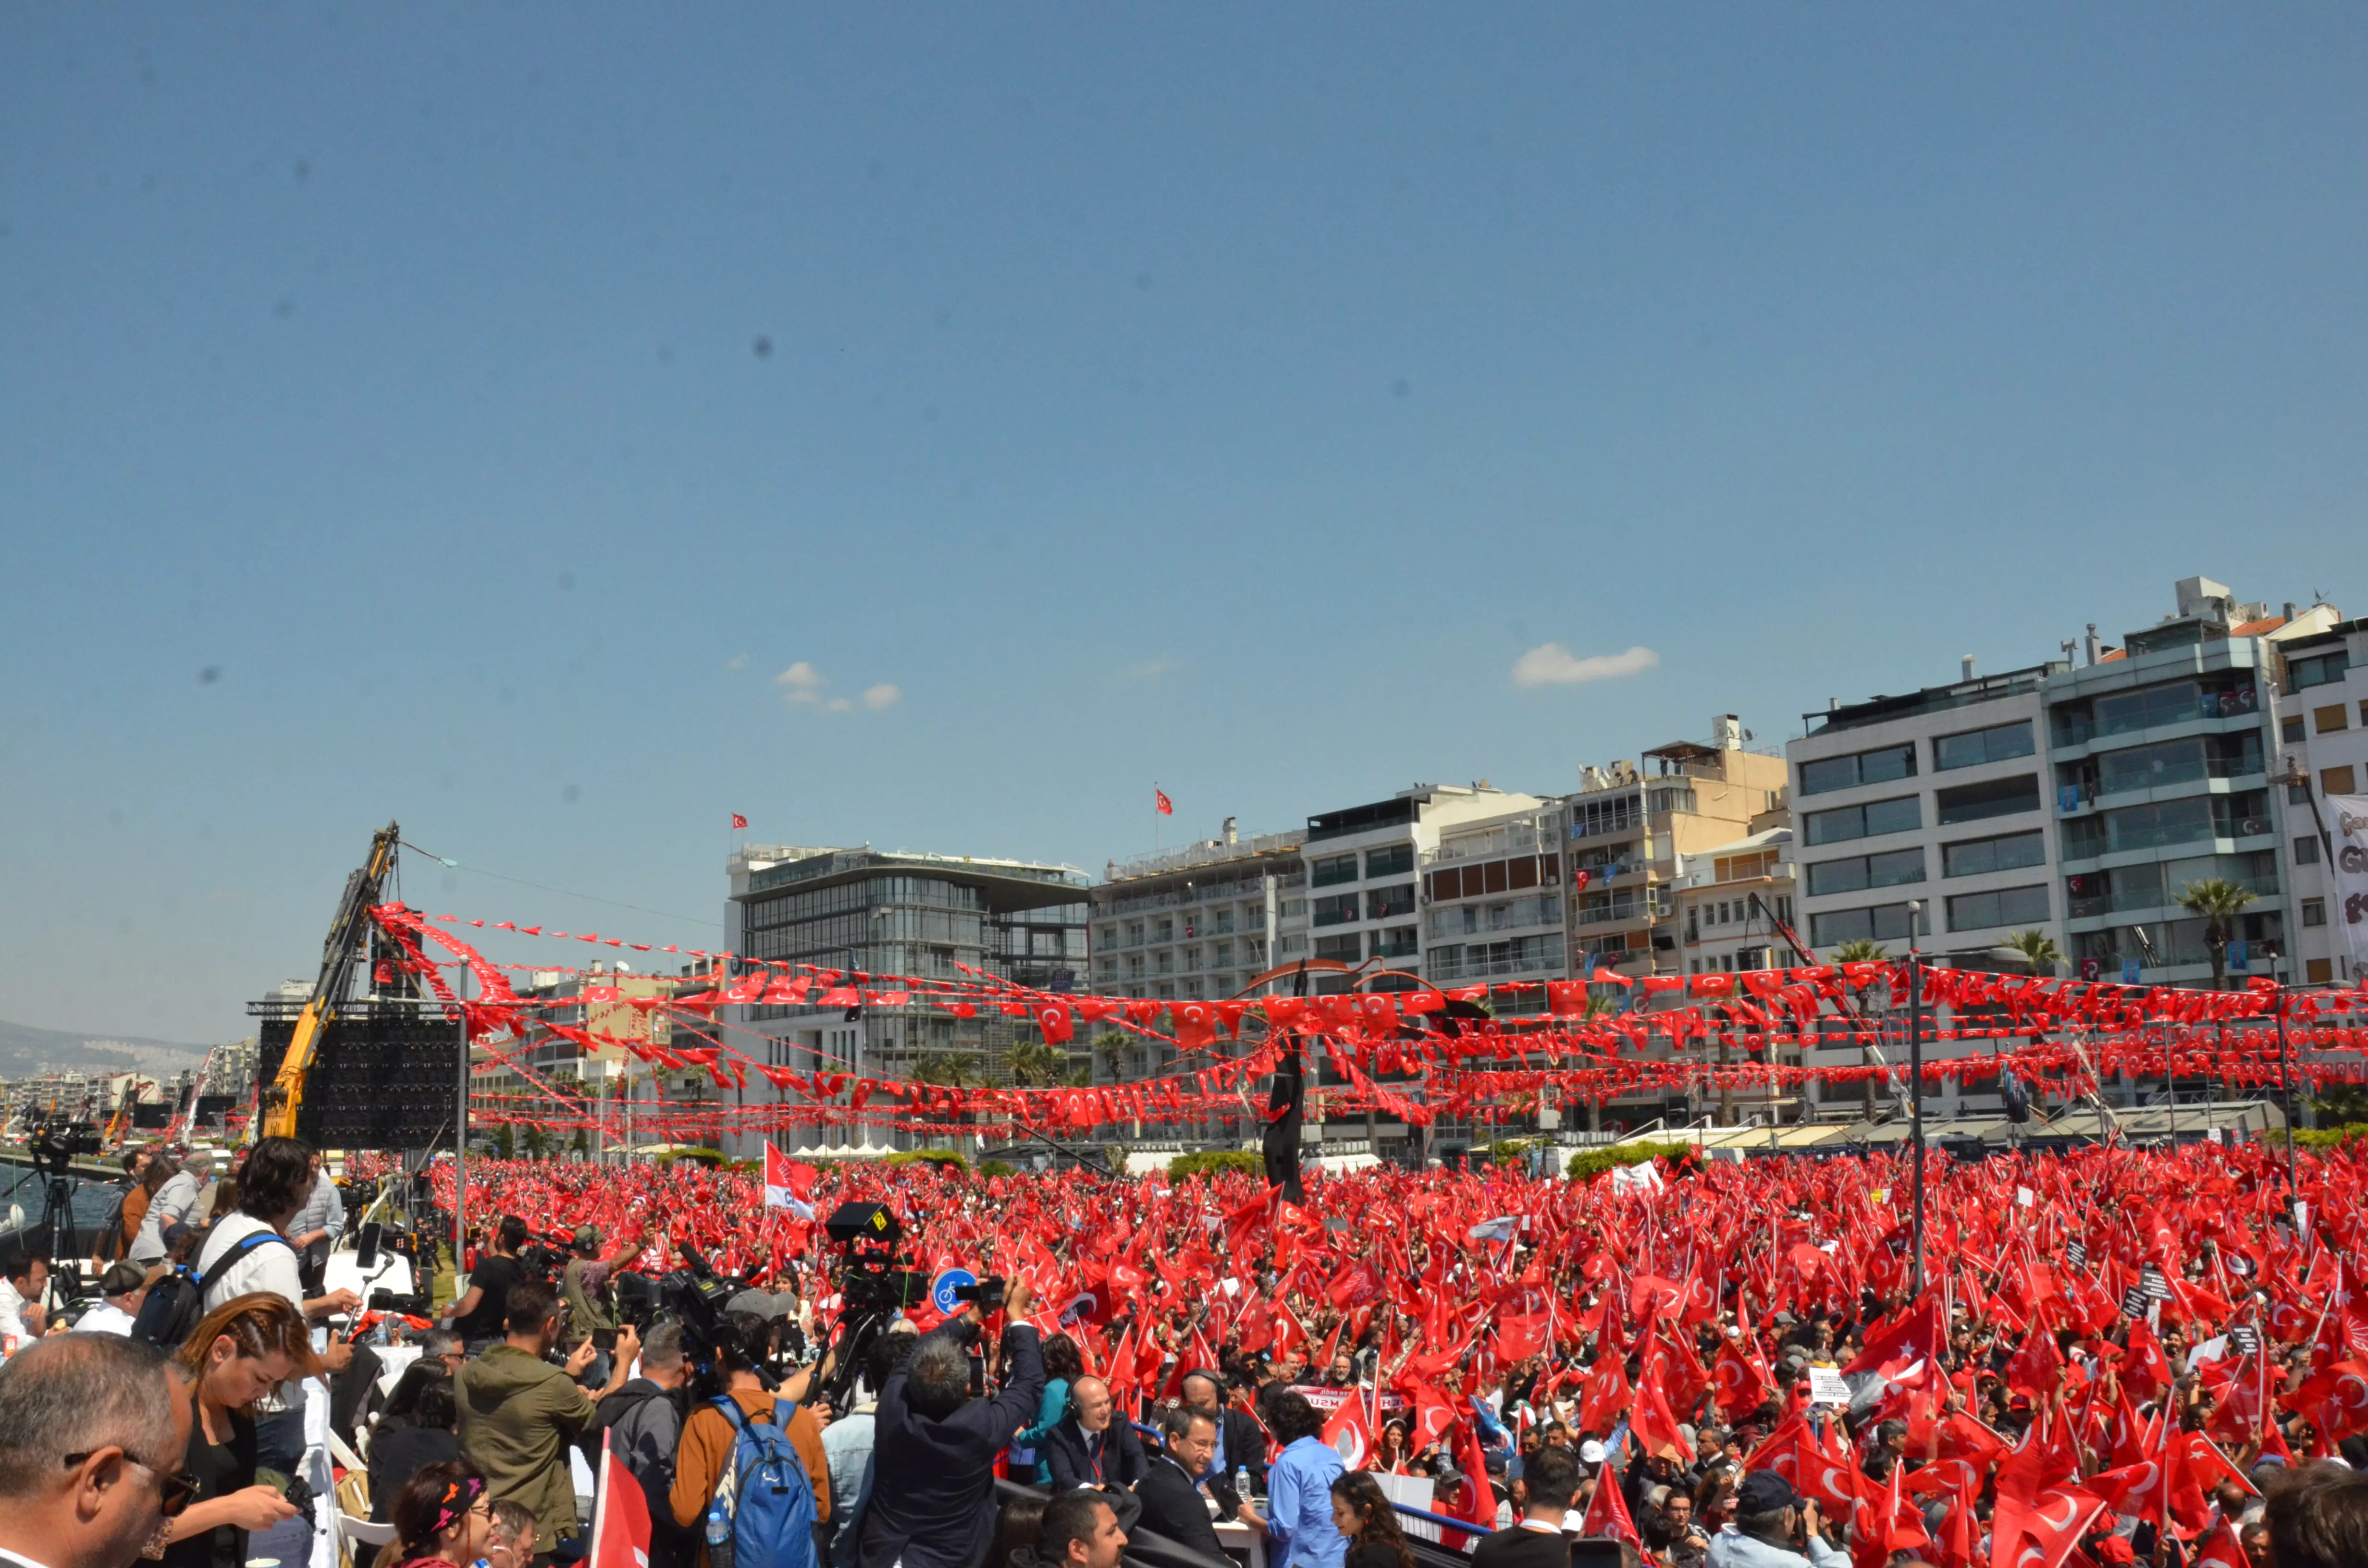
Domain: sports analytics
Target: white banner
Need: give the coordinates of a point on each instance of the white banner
(2347, 823)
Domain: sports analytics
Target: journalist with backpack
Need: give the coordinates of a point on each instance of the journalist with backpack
(751, 1469)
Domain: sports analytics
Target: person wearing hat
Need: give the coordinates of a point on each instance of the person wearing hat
(124, 1286)
(591, 1299)
(1768, 1513)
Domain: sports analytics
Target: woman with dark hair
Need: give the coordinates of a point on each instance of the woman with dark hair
(1015, 1524)
(238, 1353)
(1390, 1451)
(1363, 1515)
(443, 1516)
(425, 1436)
(1299, 1527)
(1062, 1367)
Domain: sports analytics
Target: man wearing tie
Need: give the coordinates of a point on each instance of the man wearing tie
(1090, 1447)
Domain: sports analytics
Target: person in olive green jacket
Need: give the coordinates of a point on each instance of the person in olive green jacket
(518, 1412)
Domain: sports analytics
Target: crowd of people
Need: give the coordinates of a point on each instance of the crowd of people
(2106, 1355)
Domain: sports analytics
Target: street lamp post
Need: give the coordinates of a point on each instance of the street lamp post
(1916, 1077)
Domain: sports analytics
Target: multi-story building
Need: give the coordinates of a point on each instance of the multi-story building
(924, 918)
(1727, 905)
(1630, 831)
(1364, 900)
(1493, 908)
(2321, 713)
(2074, 801)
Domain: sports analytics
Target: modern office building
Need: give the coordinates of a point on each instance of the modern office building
(924, 918)
(2321, 717)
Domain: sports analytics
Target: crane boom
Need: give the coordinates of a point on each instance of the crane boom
(347, 932)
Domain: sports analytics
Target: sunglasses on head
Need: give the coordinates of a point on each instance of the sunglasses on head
(174, 1488)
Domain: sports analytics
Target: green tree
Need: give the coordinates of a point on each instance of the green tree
(1033, 1064)
(1859, 950)
(2219, 902)
(537, 1140)
(2038, 948)
(1110, 1045)
(504, 1142)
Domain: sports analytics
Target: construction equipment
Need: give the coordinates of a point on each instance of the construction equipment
(347, 933)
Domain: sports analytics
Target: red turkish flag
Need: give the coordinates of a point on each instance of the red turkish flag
(1165, 806)
(1349, 1434)
(620, 1523)
(739, 821)
(1607, 1513)
(1479, 1504)
(1057, 1022)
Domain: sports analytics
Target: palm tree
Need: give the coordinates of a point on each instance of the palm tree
(2219, 902)
(2038, 948)
(1112, 1045)
(1861, 950)
(1033, 1063)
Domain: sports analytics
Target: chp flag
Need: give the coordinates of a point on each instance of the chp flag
(789, 1184)
(2346, 824)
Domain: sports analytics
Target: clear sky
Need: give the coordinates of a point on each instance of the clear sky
(560, 426)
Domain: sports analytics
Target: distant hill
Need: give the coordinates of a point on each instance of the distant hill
(26, 1051)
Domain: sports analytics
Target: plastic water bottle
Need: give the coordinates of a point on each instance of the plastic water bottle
(719, 1535)
(1242, 1482)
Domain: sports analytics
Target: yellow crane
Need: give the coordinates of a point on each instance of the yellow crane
(347, 935)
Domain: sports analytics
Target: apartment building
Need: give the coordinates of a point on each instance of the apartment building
(1729, 904)
(1630, 830)
(1493, 907)
(2321, 715)
(1364, 898)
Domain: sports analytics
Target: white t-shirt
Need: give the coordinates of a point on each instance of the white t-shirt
(266, 1266)
(104, 1318)
(12, 1311)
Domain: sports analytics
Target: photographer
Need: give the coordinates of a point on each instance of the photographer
(932, 1496)
(480, 1314)
(710, 1436)
(520, 1411)
(1769, 1514)
(584, 1286)
(174, 1203)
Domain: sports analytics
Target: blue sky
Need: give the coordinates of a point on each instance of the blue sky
(1228, 396)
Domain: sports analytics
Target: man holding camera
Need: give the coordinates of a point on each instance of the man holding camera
(1769, 1517)
(479, 1314)
(520, 1410)
(591, 1300)
(933, 1501)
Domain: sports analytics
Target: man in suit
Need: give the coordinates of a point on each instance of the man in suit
(1172, 1505)
(1240, 1444)
(931, 1501)
(1091, 1446)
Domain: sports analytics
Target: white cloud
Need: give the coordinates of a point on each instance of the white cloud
(882, 695)
(1149, 670)
(837, 705)
(1551, 664)
(801, 683)
(736, 662)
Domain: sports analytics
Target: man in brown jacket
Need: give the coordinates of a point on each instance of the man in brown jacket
(518, 1412)
(708, 1438)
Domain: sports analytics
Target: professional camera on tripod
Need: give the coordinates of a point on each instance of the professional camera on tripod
(56, 1144)
(876, 1283)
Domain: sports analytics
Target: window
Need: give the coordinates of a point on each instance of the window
(1292, 908)
(1974, 747)
(2313, 912)
(1878, 767)
(1191, 957)
(2335, 780)
(2000, 798)
(2319, 972)
(2290, 730)
(1615, 815)
(1397, 860)
(1390, 903)
(1336, 909)
(2306, 851)
(1224, 955)
(1287, 944)
(1347, 948)
(2330, 719)
(1870, 820)
(1974, 856)
(2009, 906)
(2149, 706)
(1741, 868)
(1109, 936)
(1331, 873)
(2298, 794)
(2324, 670)
(1881, 923)
(1163, 930)
(1398, 942)
(1862, 872)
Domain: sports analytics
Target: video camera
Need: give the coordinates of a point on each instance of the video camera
(55, 1145)
(875, 1283)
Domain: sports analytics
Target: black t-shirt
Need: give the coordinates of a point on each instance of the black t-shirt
(496, 1276)
(221, 1468)
(1522, 1548)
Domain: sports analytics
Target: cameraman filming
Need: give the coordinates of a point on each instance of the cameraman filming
(932, 1492)
(479, 1314)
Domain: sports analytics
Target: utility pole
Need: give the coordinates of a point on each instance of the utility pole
(1916, 1078)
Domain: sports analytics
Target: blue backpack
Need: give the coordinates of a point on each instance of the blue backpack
(765, 1493)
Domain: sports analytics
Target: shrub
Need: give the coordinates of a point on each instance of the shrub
(941, 1158)
(997, 1168)
(2322, 1137)
(711, 1158)
(1585, 1165)
(1215, 1163)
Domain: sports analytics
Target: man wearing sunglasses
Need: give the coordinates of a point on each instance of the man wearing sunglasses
(92, 1430)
